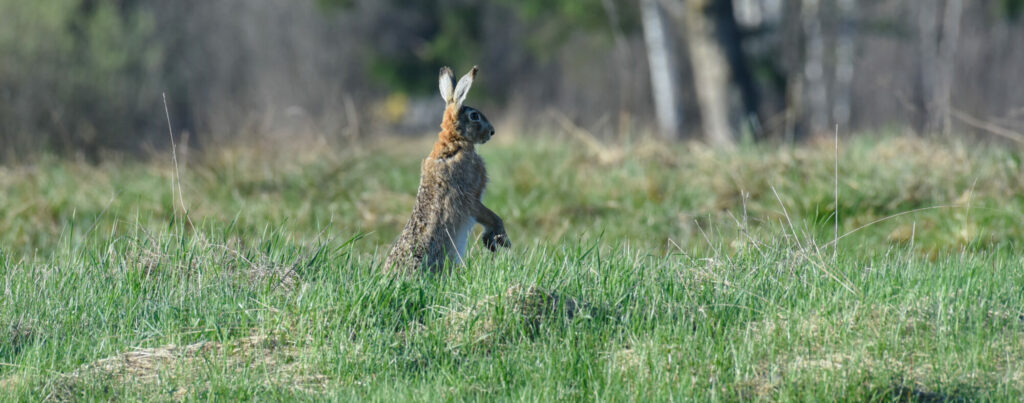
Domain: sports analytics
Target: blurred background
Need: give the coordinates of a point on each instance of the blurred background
(85, 78)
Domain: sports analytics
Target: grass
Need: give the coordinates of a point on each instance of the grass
(638, 271)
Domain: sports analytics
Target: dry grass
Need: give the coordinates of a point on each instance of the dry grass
(845, 349)
(176, 367)
(489, 320)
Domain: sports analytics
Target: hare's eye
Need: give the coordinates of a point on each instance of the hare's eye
(474, 116)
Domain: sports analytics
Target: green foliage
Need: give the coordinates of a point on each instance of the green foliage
(592, 15)
(452, 33)
(554, 21)
(91, 106)
(32, 40)
(451, 37)
(336, 3)
(1011, 9)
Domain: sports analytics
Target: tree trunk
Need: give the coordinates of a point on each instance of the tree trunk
(941, 121)
(711, 70)
(814, 67)
(793, 63)
(938, 45)
(730, 39)
(662, 59)
(626, 62)
(846, 48)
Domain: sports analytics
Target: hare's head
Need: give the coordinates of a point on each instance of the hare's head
(469, 123)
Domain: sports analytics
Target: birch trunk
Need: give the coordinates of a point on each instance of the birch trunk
(662, 60)
(711, 71)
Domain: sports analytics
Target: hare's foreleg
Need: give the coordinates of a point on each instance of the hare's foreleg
(494, 227)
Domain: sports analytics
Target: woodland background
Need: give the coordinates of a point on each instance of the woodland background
(84, 78)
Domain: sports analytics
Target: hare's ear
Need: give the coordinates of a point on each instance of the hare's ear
(463, 88)
(445, 82)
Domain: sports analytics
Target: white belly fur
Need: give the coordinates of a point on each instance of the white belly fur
(462, 235)
(462, 238)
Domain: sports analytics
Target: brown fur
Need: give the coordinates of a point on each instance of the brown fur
(449, 142)
(452, 182)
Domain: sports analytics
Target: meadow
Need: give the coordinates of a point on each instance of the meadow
(639, 271)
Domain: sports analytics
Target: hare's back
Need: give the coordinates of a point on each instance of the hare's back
(463, 174)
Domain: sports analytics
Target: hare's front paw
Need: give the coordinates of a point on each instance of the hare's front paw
(493, 239)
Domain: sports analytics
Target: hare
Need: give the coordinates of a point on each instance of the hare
(452, 181)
